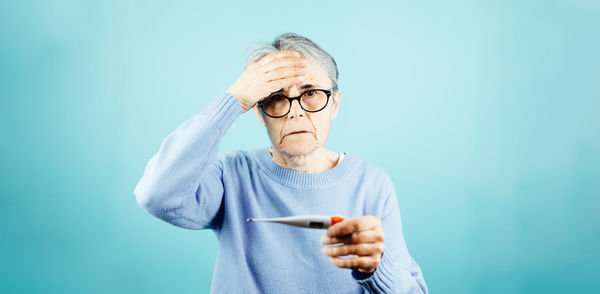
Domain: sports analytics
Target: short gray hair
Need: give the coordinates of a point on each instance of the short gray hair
(295, 42)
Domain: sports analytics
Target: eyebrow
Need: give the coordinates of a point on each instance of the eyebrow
(305, 86)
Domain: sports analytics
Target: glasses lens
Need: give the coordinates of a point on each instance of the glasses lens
(313, 100)
(276, 105)
(279, 105)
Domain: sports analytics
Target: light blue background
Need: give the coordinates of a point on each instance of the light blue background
(484, 113)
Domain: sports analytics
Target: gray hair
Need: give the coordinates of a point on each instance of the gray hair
(295, 42)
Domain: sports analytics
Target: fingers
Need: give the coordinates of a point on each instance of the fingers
(362, 237)
(282, 69)
(278, 54)
(368, 236)
(363, 262)
(285, 82)
(283, 73)
(364, 249)
(284, 63)
(350, 226)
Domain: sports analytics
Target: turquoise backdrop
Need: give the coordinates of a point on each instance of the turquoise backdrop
(484, 113)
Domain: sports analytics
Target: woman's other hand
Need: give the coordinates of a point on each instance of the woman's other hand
(269, 74)
(362, 237)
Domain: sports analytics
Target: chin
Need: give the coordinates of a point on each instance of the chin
(298, 148)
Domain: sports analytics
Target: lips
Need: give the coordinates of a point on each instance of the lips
(298, 132)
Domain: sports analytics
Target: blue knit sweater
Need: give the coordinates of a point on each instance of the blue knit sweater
(188, 184)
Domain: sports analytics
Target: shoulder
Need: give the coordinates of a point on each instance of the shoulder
(377, 186)
(369, 170)
(368, 174)
(237, 158)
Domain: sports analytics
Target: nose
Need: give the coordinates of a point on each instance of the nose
(295, 109)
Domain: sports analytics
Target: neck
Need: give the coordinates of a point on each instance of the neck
(319, 160)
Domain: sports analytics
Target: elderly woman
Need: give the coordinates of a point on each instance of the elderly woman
(292, 87)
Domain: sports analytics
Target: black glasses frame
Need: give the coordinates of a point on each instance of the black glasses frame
(291, 99)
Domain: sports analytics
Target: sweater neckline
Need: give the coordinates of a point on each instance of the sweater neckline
(302, 180)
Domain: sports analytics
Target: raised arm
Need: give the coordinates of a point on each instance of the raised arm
(182, 183)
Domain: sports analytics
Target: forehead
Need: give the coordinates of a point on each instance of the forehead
(315, 68)
(316, 74)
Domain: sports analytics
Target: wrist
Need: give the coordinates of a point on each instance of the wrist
(243, 104)
(359, 275)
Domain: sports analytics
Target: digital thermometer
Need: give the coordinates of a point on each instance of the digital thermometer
(304, 221)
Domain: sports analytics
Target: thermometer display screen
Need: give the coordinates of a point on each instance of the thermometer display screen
(315, 225)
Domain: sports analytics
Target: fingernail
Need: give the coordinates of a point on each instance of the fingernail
(324, 239)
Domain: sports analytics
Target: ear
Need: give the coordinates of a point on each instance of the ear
(337, 95)
(260, 118)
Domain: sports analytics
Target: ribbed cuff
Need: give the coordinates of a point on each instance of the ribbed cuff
(358, 275)
(223, 110)
(381, 280)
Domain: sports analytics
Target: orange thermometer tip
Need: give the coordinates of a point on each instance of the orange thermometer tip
(336, 219)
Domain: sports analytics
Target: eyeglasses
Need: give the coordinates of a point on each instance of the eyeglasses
(278, 105)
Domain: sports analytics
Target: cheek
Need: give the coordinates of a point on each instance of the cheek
(274, 128)
(321, 124)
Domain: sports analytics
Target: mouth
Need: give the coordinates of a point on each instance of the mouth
(298, 132)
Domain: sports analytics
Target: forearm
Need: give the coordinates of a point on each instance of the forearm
(397, 271)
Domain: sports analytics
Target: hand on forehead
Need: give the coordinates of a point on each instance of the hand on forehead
(315, 74)
(279, 55)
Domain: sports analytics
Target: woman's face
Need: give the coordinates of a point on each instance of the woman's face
(301, 132)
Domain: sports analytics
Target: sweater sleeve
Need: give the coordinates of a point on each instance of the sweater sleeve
(182, 183)
(397, 271)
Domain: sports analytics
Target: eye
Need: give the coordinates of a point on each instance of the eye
(310, 93)
(276, 98)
